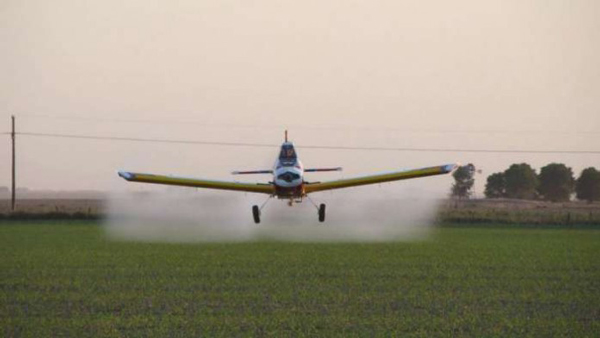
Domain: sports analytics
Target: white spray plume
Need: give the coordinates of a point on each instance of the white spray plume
(352, 216)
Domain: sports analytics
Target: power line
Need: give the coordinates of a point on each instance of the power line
(265, 145)
(458, 150)
(135, 139)
(204, 124)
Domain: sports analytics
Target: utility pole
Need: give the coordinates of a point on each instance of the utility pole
(14, 172)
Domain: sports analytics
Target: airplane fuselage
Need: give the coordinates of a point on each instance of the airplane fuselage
(288, 174)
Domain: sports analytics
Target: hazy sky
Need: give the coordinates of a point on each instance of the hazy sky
(410, 74)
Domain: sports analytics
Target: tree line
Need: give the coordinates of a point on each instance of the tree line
(555, 183)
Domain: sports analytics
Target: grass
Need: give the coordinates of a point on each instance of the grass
(67, 279)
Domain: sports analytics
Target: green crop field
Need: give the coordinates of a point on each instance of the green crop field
(68, 279)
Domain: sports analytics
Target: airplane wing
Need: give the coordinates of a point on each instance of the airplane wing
(198, 183)
(380, 178)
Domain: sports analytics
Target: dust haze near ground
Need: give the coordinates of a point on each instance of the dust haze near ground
(227, 217)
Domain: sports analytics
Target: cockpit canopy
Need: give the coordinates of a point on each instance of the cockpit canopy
(288, 156)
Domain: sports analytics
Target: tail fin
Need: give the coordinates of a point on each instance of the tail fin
(251, 172)
(312, 170)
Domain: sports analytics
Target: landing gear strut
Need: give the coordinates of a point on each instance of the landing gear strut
(320, 209)
(321, 212)
(256, 210)
(256, 214)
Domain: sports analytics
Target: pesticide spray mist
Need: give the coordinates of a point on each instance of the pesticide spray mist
(352, 216)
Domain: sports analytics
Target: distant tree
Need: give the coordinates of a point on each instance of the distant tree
(556, 182)
(463, 181)
(495, 186)
(588, 185)
(521, 181)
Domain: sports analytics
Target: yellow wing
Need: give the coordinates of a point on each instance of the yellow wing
(197, 183)
(394, 176)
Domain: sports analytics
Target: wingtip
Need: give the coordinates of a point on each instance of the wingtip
(125, 175)
(451, 167)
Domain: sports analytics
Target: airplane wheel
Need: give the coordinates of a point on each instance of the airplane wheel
(321, 212)
(256, 214)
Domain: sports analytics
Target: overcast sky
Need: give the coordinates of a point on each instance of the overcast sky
(509, 75)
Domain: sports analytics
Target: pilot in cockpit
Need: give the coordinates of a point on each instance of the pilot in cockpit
(287, 153)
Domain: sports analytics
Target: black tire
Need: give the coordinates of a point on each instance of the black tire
(322, 213)
(256, 214)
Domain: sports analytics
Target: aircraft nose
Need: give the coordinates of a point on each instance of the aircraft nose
(289, 176)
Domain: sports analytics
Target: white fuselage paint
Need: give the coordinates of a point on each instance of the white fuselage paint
(286, 174)
(281, 170)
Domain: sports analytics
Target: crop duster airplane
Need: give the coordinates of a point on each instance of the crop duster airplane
(288, 180)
